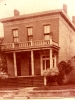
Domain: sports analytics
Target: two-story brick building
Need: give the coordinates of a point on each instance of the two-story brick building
(35, 42)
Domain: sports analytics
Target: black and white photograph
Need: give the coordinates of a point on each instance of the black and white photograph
(37, 49)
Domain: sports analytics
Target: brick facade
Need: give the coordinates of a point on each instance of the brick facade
(33, 56)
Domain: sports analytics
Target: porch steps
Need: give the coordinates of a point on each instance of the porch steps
(8, 83)
(22, 82)
(38, 81)
(30, 81)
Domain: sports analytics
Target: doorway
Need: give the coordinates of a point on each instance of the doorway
(45, 62)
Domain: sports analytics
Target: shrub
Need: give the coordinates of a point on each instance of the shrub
(51, 75)
(51, 72)
(3, 67)
(64, 70)
(51, 80)
(3, 75)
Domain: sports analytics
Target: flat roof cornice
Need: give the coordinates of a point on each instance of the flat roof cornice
(40, 14)
(25, 16)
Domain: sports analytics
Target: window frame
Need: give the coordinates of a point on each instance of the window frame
(15, 35)
(45, 29)
(30, 36)
(31, 31)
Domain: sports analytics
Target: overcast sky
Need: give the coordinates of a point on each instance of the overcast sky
(31, 6)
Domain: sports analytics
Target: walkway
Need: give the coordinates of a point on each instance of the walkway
(29, 93)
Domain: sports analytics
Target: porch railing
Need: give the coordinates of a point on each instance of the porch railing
(41, 42)
(27, 44)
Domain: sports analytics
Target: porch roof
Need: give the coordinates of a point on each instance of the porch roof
(32, 48)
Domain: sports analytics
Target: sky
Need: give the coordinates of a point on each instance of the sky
(31, 6)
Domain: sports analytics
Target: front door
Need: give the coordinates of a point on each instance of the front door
(45, 62)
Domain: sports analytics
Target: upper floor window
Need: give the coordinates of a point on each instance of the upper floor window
(30, 33)
(46, 29)
(15, 35)
(46, 32)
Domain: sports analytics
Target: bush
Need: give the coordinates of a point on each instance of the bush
(3, 75)
(60, 78)
(51, 72)
(51, 80)
(64, 70)
(3, 67)
(51, 75)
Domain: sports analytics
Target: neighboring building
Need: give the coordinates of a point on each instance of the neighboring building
(35, 42)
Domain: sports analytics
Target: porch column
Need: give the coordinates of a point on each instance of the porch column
(15, 66)
(55, 61)
(32, 62)
(51, 60)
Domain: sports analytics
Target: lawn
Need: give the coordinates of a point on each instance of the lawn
(56, 87)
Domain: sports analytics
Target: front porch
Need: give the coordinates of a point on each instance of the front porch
(27, 61)
(31, 63)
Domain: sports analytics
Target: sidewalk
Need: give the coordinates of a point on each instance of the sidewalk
(53, 93)
(29, 93)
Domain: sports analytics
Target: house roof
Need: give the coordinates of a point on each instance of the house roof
(40, 14)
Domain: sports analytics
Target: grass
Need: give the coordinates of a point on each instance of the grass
(56, 87)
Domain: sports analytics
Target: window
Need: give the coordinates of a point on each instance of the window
(15, 35)
(46, 29)
(47, 32)
(30, 33)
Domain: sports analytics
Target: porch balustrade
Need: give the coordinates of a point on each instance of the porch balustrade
(8, 46)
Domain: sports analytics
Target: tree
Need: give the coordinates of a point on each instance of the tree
(3, 65)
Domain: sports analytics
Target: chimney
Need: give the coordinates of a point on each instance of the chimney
(73, 19)
(16, 13)
(65, 8)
